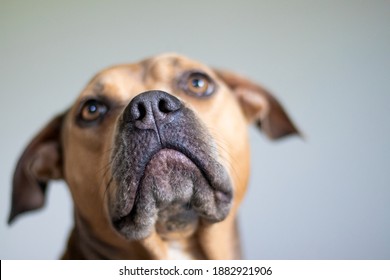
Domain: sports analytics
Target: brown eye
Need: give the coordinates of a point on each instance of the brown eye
(92, 110)
(198, 84)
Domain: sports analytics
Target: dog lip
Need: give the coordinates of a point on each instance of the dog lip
(183, 152)
(222, 195)
(193, 159)
(120, 221)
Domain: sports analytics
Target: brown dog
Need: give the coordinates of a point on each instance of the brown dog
(156, 157)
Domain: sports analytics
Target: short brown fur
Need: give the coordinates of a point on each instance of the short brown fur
(82, 157)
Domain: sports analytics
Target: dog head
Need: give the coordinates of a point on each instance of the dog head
(159, 146)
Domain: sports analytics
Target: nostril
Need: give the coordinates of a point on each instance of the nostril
(163, 106)
(151, 106)
(141, 111)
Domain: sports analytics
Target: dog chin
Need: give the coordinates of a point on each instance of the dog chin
(173, 195)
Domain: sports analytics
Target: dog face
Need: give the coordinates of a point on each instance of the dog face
(159, 146)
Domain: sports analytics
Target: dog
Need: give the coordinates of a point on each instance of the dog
(156, 157)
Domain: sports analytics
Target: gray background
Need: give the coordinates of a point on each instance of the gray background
(327, 197)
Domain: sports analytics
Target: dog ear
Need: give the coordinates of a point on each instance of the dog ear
(40, 162)
(259, 106)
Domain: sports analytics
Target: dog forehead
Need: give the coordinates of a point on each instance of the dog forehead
(122, 82)
(115, 82)
(171, 61)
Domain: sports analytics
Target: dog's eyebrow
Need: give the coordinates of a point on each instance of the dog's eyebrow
(98, 87)
(102, 88)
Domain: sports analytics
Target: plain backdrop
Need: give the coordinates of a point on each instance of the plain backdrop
(328, 62)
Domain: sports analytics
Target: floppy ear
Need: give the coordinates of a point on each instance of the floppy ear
(259, 106)
(40, 162)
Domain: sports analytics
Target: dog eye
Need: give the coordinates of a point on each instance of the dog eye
(92, 110)
(198, 84)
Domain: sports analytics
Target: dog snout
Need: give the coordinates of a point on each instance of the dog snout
(152, 109)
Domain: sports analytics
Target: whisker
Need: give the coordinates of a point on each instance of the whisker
(222, 144)
(108, 185)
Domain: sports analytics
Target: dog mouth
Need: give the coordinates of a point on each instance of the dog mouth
(166, 170)
(175, 191)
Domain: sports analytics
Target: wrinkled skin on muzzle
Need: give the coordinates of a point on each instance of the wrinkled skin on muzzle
(165, 169)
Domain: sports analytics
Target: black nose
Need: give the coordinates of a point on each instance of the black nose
(152, 108)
